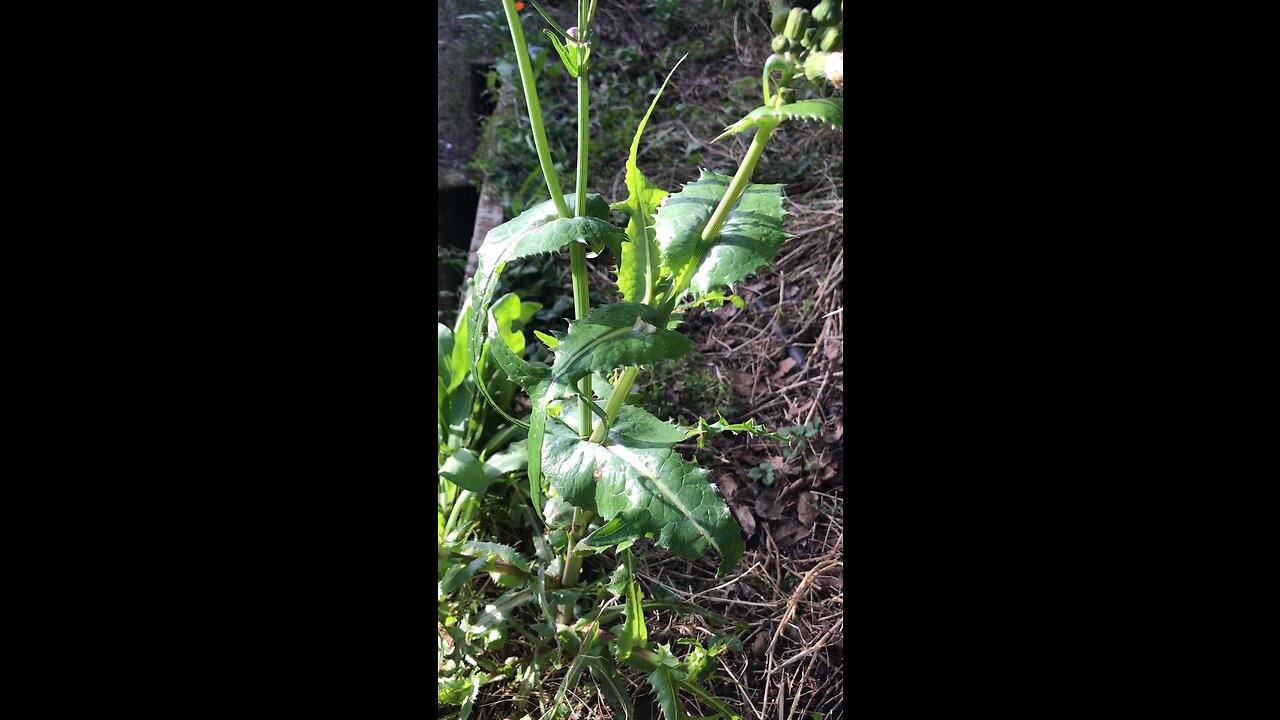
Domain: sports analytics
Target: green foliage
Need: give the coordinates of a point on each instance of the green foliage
(600, 476)
(749, 239)
(640, 469)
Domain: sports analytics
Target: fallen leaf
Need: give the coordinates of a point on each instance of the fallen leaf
(804, 512)
(745, 519)
(784, 367)
(728, 486)
(833, 350)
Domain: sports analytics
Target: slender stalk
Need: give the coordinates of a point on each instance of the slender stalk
(535, 110)
(578, 253)
(581, 300)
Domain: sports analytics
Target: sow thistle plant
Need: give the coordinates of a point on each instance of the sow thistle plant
(601, 473)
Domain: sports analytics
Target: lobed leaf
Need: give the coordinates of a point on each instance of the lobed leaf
(748, 240)
(825, 110)
(638, 268)
(612, 336)
(633, 633)
(686, 512)
(664, 680)
(537, 230)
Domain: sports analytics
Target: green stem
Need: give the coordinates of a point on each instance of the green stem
(455, 514)
(578, 253)
(572, 562)
(621, 390)
(535, 110)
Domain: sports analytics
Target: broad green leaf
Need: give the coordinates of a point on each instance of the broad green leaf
(612, 336)
(464, 713)
(633, 633)
(825, 110)
(638, 266)
(537, 230)
(464, 470)
(748, 240)
(612, 686)
(453, 690)
(686, 513)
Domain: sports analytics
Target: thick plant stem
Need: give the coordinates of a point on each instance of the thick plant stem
(740, 180)
(573, 563)
(535, 110)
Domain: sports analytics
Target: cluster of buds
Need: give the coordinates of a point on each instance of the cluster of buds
(812, 41)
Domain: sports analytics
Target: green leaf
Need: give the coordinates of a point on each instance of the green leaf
(723, 712)
(459, 362)
(499, 610)
(511, 459)
(612, 336)
(444, 349)
(749, 426)
(456, 576)
(537, 230)
(628, 526)
(686, 512)
(489, 551)
(464, 470)
(549, 340)
(614, 690)
(748, 240)
(638, 267)
(506, 315)
(633, 633)
(518, 371)
(664, 680)
(824, 110)
(568, 57)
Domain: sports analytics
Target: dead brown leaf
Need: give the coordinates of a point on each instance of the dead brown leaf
(804, 512)
(745, 518)
(784, 367)
(728, 486)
